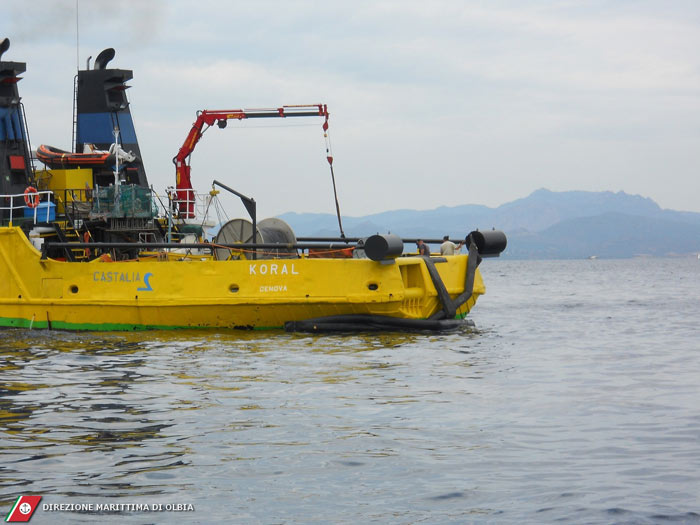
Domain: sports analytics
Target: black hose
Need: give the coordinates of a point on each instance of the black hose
(368, 323)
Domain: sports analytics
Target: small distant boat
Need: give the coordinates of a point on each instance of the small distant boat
(593, 257)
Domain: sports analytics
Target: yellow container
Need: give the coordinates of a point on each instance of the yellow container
(68, 185)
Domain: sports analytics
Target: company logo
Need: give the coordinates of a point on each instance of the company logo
(23, 509)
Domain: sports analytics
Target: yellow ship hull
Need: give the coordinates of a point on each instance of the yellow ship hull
(202, 292)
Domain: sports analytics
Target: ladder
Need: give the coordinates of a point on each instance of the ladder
(75, 114)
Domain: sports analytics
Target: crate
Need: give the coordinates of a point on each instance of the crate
(133, 201)
(45, 212)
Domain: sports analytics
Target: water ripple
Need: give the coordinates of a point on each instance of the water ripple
(574, 400)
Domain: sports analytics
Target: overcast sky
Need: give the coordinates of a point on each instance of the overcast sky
(432, 102)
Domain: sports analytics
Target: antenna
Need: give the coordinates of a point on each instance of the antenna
(77, 38)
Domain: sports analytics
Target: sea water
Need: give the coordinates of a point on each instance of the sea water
(575, 399)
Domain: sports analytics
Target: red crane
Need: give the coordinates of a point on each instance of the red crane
(205, 119)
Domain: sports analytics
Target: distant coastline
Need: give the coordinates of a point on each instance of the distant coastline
(543, 225)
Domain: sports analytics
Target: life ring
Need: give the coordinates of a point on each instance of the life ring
(31, 197)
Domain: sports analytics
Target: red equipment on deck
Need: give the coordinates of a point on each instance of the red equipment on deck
(207, 118)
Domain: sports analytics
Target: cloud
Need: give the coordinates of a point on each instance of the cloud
(129, 22)
(431, 103)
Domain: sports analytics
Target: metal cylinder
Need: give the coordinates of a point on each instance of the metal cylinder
(275, 230)
(383, 246)
(489, 242)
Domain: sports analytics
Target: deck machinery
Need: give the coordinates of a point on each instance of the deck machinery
(149, 264)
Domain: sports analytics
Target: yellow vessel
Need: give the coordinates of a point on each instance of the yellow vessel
(96, 249)
(153, 292)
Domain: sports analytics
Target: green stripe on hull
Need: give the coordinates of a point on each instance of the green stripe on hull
(9, 322)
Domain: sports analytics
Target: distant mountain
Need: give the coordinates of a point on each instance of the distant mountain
(401, 222)
(545, 208)
(612, 235)
(545, 224)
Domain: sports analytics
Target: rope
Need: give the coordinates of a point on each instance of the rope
(220, 212)
(206, 212)
(329, 157)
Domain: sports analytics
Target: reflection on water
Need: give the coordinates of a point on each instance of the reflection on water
(73, 401)
(121, 415)
(575, 400)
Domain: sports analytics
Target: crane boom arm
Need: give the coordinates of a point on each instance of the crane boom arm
(207, 118)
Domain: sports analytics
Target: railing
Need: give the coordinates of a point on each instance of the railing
(201, 205)
(75, 202)
(82, 202)
(38, 210)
